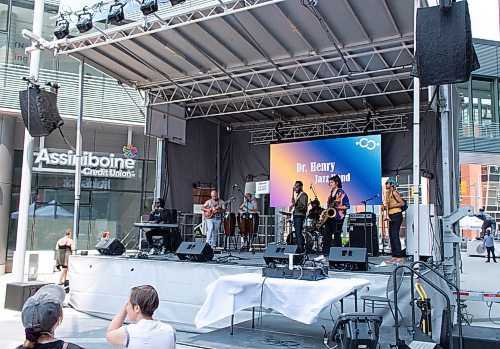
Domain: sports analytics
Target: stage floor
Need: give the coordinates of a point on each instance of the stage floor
(378, 264)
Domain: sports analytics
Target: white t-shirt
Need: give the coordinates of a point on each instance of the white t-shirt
(150, 334)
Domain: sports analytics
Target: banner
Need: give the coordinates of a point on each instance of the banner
(357, 160)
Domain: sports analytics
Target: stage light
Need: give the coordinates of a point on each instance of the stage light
(84, 23)
(177, 2)
(116, 14)
(149, 6)
(62, 28)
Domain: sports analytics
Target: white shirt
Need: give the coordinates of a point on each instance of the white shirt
(150, 334)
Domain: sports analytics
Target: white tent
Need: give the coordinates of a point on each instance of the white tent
(470, 223)
(51, 210)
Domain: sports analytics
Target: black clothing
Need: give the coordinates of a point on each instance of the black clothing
(332, 227)
(394, 225)
(298, 223)
(161, 216)
(491, 250)
(53, 345)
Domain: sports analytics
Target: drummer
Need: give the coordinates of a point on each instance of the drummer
(315, 210)
(249, 204)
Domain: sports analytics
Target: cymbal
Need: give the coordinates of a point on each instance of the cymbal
(285, 213)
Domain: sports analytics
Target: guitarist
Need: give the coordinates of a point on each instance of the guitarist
(338, 200)
(213, 209)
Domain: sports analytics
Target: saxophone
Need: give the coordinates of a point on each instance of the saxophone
(330, 212)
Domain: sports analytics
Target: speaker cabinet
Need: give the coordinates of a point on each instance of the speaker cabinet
(359, 237)
(39, 111)
(445, 53)
(195, 251)
(110, 247)
(357, 330)
(350, 258)
(17, 293)
(278, 254)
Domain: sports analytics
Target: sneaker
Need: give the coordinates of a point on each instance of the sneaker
(487, 262)
(320, 258)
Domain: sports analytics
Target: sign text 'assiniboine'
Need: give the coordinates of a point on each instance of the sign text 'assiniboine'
(92, 165)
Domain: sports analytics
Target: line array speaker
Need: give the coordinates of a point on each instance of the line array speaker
(39, 111)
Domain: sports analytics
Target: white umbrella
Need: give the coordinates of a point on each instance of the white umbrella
(471, 222)
(51, 210)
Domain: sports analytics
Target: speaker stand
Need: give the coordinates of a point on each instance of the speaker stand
(229, 257)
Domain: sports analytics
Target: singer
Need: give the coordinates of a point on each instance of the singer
(393, 206)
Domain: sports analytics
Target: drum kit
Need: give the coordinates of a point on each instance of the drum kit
(312, 236)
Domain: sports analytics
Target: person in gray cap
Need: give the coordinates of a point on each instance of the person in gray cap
(41, 315)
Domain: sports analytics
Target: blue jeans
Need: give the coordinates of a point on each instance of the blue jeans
(213, 226)
(394, 225)
(298, 224)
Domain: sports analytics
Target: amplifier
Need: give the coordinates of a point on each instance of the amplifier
(304, 273)
(362, 218)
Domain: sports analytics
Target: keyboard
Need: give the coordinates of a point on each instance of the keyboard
(155, 225)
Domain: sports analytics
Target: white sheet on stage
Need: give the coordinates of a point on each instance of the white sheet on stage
(296, 299)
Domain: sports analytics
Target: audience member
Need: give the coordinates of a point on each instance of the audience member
(64, 248)
(144, 332)
(41, 315)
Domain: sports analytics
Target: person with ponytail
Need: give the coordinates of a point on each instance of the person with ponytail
(41, 315)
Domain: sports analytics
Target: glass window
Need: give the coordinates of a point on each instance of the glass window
(4, 17)
(482, 92)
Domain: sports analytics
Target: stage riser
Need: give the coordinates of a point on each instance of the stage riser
(101, 284)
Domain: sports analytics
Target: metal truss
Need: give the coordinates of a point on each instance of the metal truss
(152, 25)
(308, 72)
(376, 124)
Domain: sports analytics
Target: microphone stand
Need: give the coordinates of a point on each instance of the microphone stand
(364, 202)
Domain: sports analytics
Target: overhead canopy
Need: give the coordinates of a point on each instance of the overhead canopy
(248, 61)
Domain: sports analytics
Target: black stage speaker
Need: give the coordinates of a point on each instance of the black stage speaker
(350, 258)
(444, 50)
(17, 293)
(277, 254)
(110, 247)
(357, 330)
(39, 111)
(195, 251)
(358, 237)
(477, 337)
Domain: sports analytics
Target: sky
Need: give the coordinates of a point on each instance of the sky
(484, 18)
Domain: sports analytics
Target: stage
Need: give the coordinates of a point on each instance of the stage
(99, 285)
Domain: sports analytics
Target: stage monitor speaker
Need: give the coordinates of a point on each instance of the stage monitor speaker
(357, 330)
(278, 254)
(17, 293)
(358, 237)
(444, 50)
(110, 247)
(39, 111)
(195, 251)
(477, 337)
(350, 258)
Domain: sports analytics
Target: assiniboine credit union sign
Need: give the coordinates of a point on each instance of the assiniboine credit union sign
(108, 166)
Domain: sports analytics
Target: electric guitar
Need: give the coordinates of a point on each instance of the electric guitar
(211, 211)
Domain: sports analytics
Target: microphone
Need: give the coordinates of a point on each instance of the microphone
(235, 186)
(375, 196)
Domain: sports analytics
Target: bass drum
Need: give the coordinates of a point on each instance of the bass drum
(229, 223)
(248, 223)
(308, 238)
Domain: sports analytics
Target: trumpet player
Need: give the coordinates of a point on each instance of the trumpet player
(338, 204)
(299, 209)
(393, 208)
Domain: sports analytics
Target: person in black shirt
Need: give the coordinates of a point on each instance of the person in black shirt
(488, 222)
(158, 216)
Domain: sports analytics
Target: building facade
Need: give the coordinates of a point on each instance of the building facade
(112, 197)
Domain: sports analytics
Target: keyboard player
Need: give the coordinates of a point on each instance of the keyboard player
(159, 216)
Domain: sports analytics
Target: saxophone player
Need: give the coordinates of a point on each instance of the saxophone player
(339, 201)
(299, 209)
